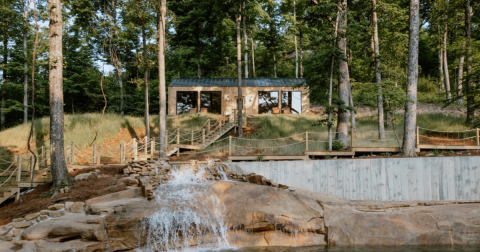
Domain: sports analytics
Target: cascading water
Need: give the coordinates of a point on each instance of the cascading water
(189, 214)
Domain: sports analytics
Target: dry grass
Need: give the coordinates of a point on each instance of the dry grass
(36, 200)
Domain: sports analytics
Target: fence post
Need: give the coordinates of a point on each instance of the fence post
(135, 149)
(152, 147)
(352, 131)
(418, 136)
(306, 141)
(220, 124)
(230, 145)
(178, 136)
(192, 138)
(203, 136)
(145, 145)
(43, 156)
(94, 154)
(478, 137)
(208, 126)
(235, 116)
(99, 155)
(121, 154)
(72, 153)
(19, 167)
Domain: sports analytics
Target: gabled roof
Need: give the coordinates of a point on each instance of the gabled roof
(232, 82)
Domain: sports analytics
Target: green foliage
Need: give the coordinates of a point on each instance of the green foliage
(259, 158)
(337, 145)
(435, 152)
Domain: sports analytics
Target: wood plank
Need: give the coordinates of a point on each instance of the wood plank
(187, 146)
(254, 157)
(376, 149)
(330, 153)
(448, 147)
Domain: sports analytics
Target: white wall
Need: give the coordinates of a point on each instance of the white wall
(433, 178)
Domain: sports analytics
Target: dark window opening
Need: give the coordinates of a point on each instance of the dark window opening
(268, 102)
(211, 102)
(292, 102)
(186, 100)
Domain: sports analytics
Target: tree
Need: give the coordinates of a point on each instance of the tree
(239, 72)
(469, 79)
(408, 147)
(161, 77)
(58, 168)
(378, 74)
(25, 8)
(343, 75)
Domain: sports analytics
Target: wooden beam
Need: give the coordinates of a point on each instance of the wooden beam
(448, 147)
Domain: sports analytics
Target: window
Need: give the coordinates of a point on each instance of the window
(292, 102)
(186, 100)
(267, 102)
(211, 101)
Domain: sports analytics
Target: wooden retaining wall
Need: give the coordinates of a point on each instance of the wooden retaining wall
(388, 179)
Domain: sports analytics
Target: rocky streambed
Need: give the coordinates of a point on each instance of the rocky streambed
(196, 206)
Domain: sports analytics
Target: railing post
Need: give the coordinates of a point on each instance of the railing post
(230, 145)
(418, 136)
(208, 126)
(478, 137)
(122, 154)
(306, 141)
(352, 131)
(220, 124)
(152, 147)
(235, 116)
(19, 167)
(72, 153)
(43, 156)
(192, 138)
(135, 149)
(99, 155)
(94, 154)
(203, 136)
(178, 136)
(145, 145)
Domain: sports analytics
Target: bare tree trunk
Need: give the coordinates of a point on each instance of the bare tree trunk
(343, 94)
(378, 74)
(245, 38)
(58, 168)
(330, 90)
(408, 147)
(441, 84)
(253, 55)
(350, 100)
(25, 64)
(469, 80)
(445, 64)
(295, 36)
(161, 77)
(301, 53)
(274, 65)
(145, 78)
(460, 74)
(239, 73)
(116, 61)
(4, 81)
(199, 69)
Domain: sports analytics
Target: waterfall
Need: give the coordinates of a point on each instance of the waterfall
(189, 213)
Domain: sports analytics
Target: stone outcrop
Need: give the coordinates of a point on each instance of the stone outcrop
(257, 213)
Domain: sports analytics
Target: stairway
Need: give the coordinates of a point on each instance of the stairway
(214, 135)
(12, 186)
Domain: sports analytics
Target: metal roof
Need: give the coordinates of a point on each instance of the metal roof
(232, 82)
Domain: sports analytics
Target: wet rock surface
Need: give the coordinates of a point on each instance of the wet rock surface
(257, 212)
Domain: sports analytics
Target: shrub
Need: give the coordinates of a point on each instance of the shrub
(337, 145)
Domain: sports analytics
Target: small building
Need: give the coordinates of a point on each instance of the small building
(260, 96)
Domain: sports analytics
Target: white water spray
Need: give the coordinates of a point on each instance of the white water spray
(189, 214)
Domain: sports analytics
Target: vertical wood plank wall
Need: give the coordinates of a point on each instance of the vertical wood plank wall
(389, 179)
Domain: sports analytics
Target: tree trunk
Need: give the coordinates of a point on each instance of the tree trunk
(441, 84)
(408, 147)
(116, 61)
(239, 73)
(245, 38)
(445, 64)
(460, 74)
(378, 75)
(199, 69)
(253, 55)
(330, 90)
(145, 79)
(274, 65)
(161, 77)
(25, 65)
(58, 168)
(295, 37)
(469, 80)
(301, 53)
(4, 81)
(343, 94)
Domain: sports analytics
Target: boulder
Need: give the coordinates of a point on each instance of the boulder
(56, 214)
(44, 212)
(77, 207)
(85, 176)
(18, 220)
(22, 224)
(56, 207)
(17, 232)
(32, 216)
